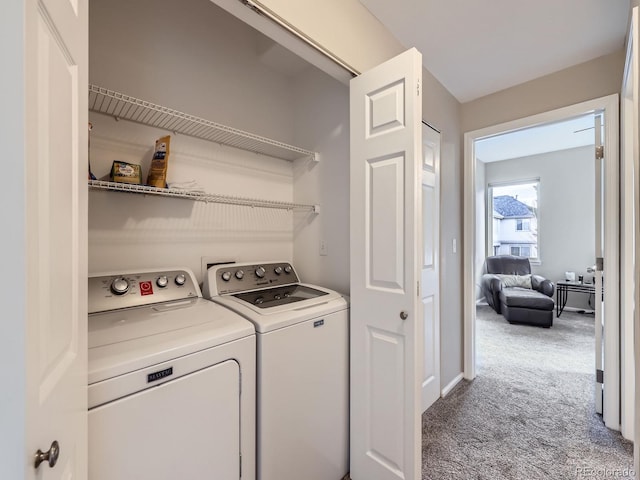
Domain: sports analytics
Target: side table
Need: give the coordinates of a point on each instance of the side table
(563, 288)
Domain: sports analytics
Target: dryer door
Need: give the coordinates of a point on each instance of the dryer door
(185, 428)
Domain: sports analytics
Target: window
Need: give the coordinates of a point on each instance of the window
(521, 251)
(523, 225)
(515, 219)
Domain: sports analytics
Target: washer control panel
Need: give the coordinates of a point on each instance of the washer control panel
(242, 277)
(134, 289)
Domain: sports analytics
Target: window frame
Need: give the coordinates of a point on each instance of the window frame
(536, 182)
(522, 223)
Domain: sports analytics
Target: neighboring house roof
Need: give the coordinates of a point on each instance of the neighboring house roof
(509, 207)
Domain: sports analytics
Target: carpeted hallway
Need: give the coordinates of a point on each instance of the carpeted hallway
(529, 414)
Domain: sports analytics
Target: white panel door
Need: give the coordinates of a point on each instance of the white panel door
(607, 318)
(56, 64)
(386, 258)
(599, 253)
(430, 265)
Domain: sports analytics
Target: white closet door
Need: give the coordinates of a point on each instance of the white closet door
(56, 66)
(430, 264)
(386, 259)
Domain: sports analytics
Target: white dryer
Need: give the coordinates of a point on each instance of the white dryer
(303, 367)
(171, 381)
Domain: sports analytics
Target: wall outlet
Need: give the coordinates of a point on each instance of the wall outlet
(207, 262)
(324, 248)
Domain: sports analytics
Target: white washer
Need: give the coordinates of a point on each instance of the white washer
(171, 381)
(303, 367)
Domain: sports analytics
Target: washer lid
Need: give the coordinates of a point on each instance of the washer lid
(128, 324)
(273, 297)
(125, 340)
(270, 318)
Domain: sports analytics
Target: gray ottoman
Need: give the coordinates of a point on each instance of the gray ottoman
(523, 305)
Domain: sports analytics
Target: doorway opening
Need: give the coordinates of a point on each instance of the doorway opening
(538, 192)
(475, 217)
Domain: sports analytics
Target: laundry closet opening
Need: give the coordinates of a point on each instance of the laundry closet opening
(196, 58)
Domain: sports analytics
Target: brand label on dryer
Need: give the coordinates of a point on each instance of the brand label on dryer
(318, 323)
(159, 375)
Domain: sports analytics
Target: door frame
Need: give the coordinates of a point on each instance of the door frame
(628, 232)
(13, 416)
(610, 105)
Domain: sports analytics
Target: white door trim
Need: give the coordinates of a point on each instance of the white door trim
(609, 105)
(628, 199)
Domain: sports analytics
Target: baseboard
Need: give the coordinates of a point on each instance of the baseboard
(579, 310)
(447, 389)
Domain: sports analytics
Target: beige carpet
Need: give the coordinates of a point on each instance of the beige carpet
(529, 414)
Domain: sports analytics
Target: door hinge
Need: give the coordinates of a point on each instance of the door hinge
(599, 376)
(251, 5)
(599, 152)
(418, 289)
(600, 264)
(418, 87)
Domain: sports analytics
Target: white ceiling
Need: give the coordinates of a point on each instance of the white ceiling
(475, 48)
(550, 137)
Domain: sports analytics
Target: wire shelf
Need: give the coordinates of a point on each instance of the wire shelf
(121, 106)
(200, 197)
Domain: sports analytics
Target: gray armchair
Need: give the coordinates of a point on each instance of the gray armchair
(512, 290)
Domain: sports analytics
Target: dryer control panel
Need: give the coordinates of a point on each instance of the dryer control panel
(243, 277)
(134, 289)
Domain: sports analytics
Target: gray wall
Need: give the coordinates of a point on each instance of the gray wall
(566, 223)
(586, 81)
(442, 110)
(322, 122)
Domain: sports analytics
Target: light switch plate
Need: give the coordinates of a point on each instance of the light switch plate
(324, 248)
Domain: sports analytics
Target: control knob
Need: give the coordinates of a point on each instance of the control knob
(260, 271)
(288, 269)
(120, 286)
(162, 281)
(240, 274)
(180, 279)
(226, 276)
(278, 270)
